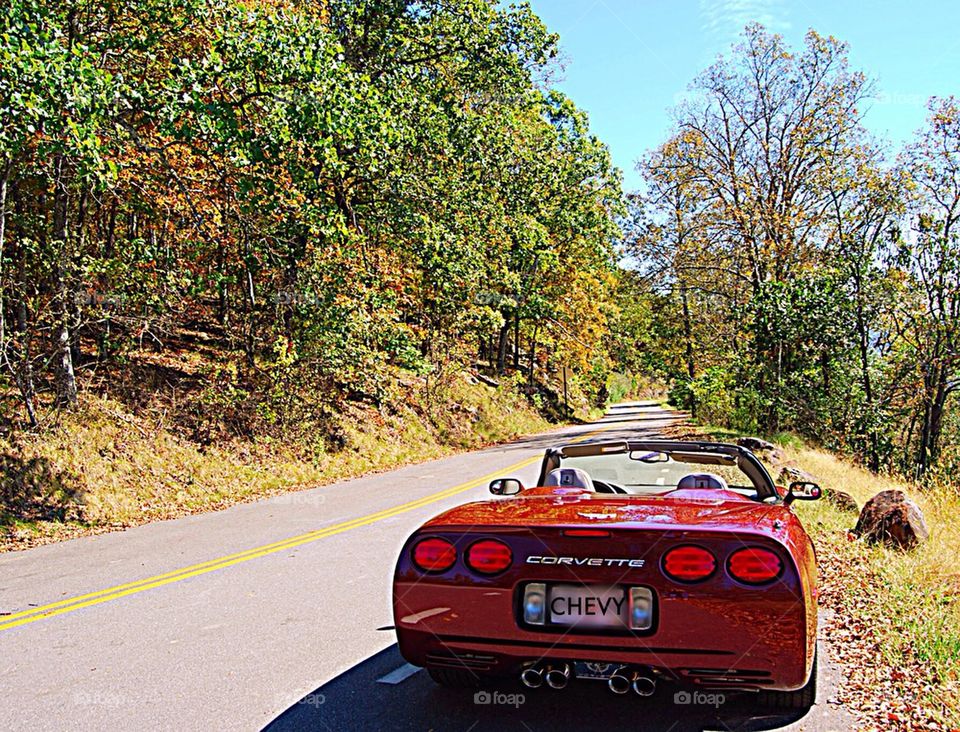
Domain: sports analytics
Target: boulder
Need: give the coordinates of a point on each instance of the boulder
(893, 519)
(790, 473)
(755, 444)
(775, 457)
(841, 500)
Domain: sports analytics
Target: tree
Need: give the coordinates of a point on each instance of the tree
(928, 320)
(867, 208)
(741, 201)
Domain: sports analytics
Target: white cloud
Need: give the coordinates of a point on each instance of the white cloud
(723, 20)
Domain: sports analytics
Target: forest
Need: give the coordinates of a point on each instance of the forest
(347, 190)
(806, 278)
(345, 194)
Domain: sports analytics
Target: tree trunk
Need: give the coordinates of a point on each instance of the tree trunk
(223, 306)
(23, 369)
(867, 383)
(533, 352)
(4, 177)
(251, 298)
(66, 379)
(935, 399)
(502, 346)
(109, 244)
(73, 302)
(18, 354)
(687, 334)
(688, 346)
(516, 341)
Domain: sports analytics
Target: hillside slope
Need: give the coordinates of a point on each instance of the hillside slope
(107, 465)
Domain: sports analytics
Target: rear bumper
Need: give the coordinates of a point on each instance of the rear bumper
(710, 639)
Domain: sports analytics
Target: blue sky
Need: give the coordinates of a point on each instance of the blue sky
(628, 61)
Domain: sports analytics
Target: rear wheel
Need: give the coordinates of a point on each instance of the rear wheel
(455, 678)
(800, 699)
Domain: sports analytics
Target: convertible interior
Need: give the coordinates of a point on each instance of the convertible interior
(658, 468)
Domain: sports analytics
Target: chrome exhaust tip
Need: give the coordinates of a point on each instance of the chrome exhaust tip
(618, 683)
(532, 677)
(557, 678)
(644, 686)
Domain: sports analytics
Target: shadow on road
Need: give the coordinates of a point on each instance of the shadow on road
(357, 700)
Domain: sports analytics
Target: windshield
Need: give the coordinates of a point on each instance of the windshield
(647, 471)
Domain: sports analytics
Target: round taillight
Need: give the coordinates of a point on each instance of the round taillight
(434, 555)
(754, 566)
(489, 556)
(688, 564)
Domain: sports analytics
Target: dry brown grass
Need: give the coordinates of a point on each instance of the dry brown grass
(101, 468)
(897, 628)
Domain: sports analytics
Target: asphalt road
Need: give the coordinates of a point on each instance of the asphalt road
(277, 614)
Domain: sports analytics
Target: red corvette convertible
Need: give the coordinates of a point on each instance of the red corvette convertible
(632, 562)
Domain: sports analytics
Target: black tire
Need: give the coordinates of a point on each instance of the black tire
(803, 698)
(456, 678)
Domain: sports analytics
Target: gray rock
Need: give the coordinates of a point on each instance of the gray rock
(755, 444)
(841, 500)
(791, 473)
(775, 457)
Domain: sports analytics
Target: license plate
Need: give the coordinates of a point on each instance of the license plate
(587, 607)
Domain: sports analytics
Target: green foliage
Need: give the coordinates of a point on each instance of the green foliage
(803, 283)
(715, 398)
(378, 186)
(619, 387)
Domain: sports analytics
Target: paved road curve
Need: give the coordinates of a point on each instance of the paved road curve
(268, 614)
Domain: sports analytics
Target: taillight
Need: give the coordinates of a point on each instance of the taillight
(754, 566)
(688, 563)
(434, 555)
(489, 556)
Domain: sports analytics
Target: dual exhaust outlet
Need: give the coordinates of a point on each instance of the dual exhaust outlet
(624, 679)
(557, 676)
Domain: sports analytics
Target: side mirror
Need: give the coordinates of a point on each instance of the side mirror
(802, 490)
(505, 486)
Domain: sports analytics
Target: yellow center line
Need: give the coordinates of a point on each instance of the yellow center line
(94, 598)
(130, 588)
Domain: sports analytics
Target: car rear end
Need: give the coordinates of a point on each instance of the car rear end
(708, 607)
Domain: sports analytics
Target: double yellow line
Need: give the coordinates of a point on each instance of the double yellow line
(131, 588)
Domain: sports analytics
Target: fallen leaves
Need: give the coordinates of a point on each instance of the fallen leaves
(882, 696)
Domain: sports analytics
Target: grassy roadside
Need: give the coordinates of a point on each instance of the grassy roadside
(896, 620)
(103, 468)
